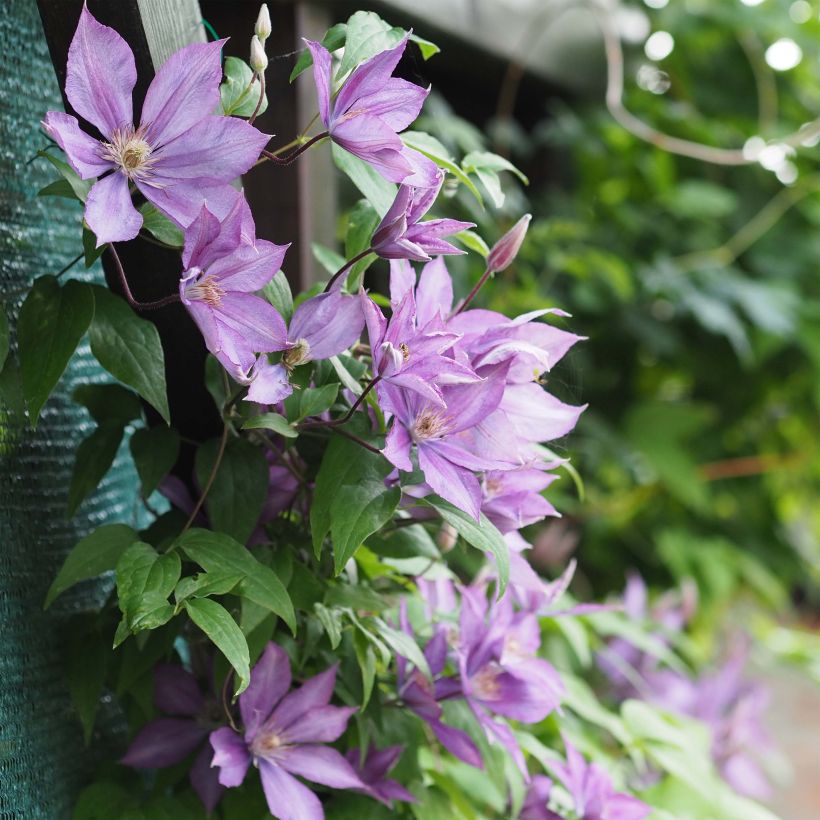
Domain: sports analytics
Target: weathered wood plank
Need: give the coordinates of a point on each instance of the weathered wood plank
(169, 25)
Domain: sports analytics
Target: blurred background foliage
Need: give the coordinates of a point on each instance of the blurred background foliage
(697, 286)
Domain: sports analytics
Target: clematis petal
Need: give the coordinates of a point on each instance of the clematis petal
(314, 692)
(398, 103)
(183, 201)
(330, 323)
(321, 764)
(218, 149)
(270, 680)
(201, 246)
(163, 742)
(323, 724)
(369, 77)
(434, 295)
(458, 743)
(205, 779)
(397, 447)
(250, 267)
(270, 383)
(231, 756)
(109, 211)
(184, 90)
(101, 75)
(287, 798)
(82, 151)
(455, 484)
(364, 135)
(176, 691)
(424, 173)
(402, 280)
(322, 62)
(257, 321)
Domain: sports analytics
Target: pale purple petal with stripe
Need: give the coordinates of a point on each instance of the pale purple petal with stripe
(320, 764)
(163, 742)
(270, 383)
(369, 77)
(322, 62)
(231, 756)
(270, 679)
(287, 798)
(182, 201)
(455, 484)
(82, 152)
(323, 724)
(250, 267)
(330, 323)
(109, 211)
(314, 692)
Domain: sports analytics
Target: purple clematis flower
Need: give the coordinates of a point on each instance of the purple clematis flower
(285, 735)
(180, 157)
(536, 800)
(400, 234)
(373, 771)
(167, 741)
(592, 791)
(370, 110)
(224, 264)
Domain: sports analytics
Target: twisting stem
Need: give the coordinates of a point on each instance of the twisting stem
(271, 155)
(211, 478)
(261, 97)
(167, 300)
(358, 440)
(347, 416)
(346, 267)
(471, 295)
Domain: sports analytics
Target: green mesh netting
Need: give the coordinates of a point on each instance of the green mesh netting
(42, 758)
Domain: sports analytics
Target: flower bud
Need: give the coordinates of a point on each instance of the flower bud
(259, 60)
(262, 29)
(506, 249)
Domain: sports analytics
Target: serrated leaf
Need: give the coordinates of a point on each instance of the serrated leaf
(374, 187)
(129, 348)
(334, 38)
(237, 495)
(217, 552)
(482, 535)
(216, 622)
(52, 321)
(95, 455)
(240, 90)
(271, 421)
(350, 500)
(279, 294)
(155, 451)
(80, 187)
(95, 554)
(367, 35)
(159, 226)
(108, 402)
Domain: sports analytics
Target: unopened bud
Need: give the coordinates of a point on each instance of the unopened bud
(506, 249)
(262, 29)
(259, 60)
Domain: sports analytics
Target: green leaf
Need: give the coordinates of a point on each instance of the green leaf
(433, 149)
(482, 535)
(402, 644)
(366, 658)
(52, 322)
(367, 35)
(216, 622)
(91, 252)
(327, 258)
(86, 669)
(219, 553)
(205, 584)
(159, 226)
(334, 38)
(4, 337)
(237, 495)
(487, 166)
(108, 402)
(95, 554)
(129, 348)
(80, 187)
(155, 451)
(361, 223)
(350, 499)
(471, 240)
(145, 579)
(427, 48)
(103, 801)
(240, 90)
(60, 187)
(279, 294)
(310, 401)
(331, 622)
(378, 190)
(271, 421)
(95, 455)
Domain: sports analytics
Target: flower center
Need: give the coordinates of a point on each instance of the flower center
(405, 351)
(265, 744)
(296, 355)
(206, 290)
(485, 683)
(429, 424)
(130, 150)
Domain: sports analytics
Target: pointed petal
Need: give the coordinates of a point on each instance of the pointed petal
(369, 77)
(397, 447)
(259, 323)
(218, 149)
(364, 135)
(109, 211)
(424, 173)
(250, 267)
(324, 724)
(398, 103)
(231, 756)
(176, 691)
(288, 799)
(82, 152)
(320, 764)
(322, 62)
(183, 201)
(205, 779)
(434, 295)
(314, 692)
(184, 90)
(455, 484)
(270, 680)
(101, 75)
(330, 323)
(163, 742)
(402, 279)
(270, 383)
(458, 743)
(200, 236)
